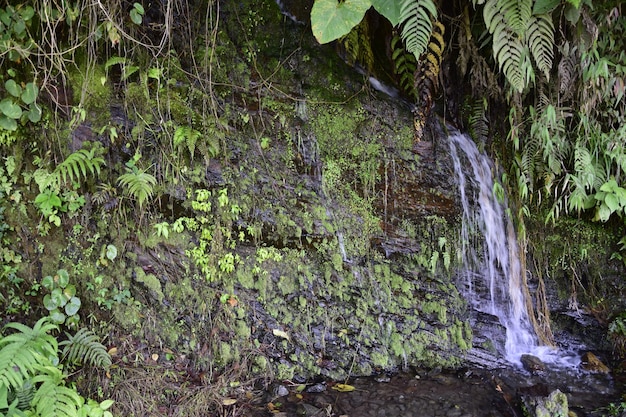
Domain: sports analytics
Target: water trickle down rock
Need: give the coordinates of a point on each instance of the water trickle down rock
(493, 279)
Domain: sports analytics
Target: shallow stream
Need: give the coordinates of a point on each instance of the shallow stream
(461, 393)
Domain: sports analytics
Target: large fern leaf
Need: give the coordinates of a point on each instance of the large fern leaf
(76, 166)
(540, 40)
(416, 17)
(139, 185)
(405, 65)
(85, 347)
(508, 49)
(53, 398)
(21, 352)
(517, 13)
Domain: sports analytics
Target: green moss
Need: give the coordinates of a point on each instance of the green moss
(151, 282)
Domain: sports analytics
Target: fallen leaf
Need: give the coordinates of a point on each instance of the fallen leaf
(113, 351)
(343, 387)
(229, 401)
(232, 301)
(280, 333)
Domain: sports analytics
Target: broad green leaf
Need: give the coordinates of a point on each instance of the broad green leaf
(545, 6)
(572, 13)
(64, 278)
(34, 113)
(111, 253)
(575, 3)
(49, 303)
(72, 306)
(47, 282)
(388, 8)
(603, 213)
(29, 95)
(139, 8)
(609, 186)
(13, 88)
(69, 291)
(27, 12)
(136, 17)
(611, 202)
(155, 73)
(10, 109)
(58, 298)
(331, 20)
(106, 404)
(7, 124)
(57, 316)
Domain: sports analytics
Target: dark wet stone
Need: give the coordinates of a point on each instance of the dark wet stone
(554, 405)
(591, 363)
(317, 388)
(532, 363)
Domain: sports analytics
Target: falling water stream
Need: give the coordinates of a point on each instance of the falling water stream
(494, 281)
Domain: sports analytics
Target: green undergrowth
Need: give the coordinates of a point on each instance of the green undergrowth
(234, 231)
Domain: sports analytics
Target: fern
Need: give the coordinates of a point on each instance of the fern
(186, 136)
(76, 166)
(22, 352)
(139, 184)
(427, 73)
(357, 46)
(508, 49)
(405, 65)
(540, 40)
(416, 17)
(478, 122)
(85, 347)
(53, 399)
(517, 13)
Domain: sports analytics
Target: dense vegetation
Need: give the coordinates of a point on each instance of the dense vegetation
(123, 130)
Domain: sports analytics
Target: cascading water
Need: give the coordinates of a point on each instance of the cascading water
(494, 278)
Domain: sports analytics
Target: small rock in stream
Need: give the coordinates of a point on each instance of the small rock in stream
(317, 388)
(532, 363)
(591, 363)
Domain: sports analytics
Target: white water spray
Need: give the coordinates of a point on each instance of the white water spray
(495, 284)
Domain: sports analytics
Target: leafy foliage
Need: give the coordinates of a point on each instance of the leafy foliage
(85, 347)
(30, 379)
(22, 353)
(405, 65)
(139, 184)
(417, 17)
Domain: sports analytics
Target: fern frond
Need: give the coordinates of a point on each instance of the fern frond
(138, 184)
(76, 166)
(416, 17)
(508, 48)
(517, 14)
(540, 41)
(53, 399)
(85, 347)
(478, 123)
(405, 65)
(186, 136)
(23, 351)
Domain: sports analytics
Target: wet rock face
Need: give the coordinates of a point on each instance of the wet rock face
(555, 405)
(592, 363)
(532, 364)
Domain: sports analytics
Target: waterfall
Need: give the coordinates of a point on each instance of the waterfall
(494, 278)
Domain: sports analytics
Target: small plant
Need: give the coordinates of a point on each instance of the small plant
(61, 302)
(136, 13)
(31, 378)
(617, 334)
(139, 184)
